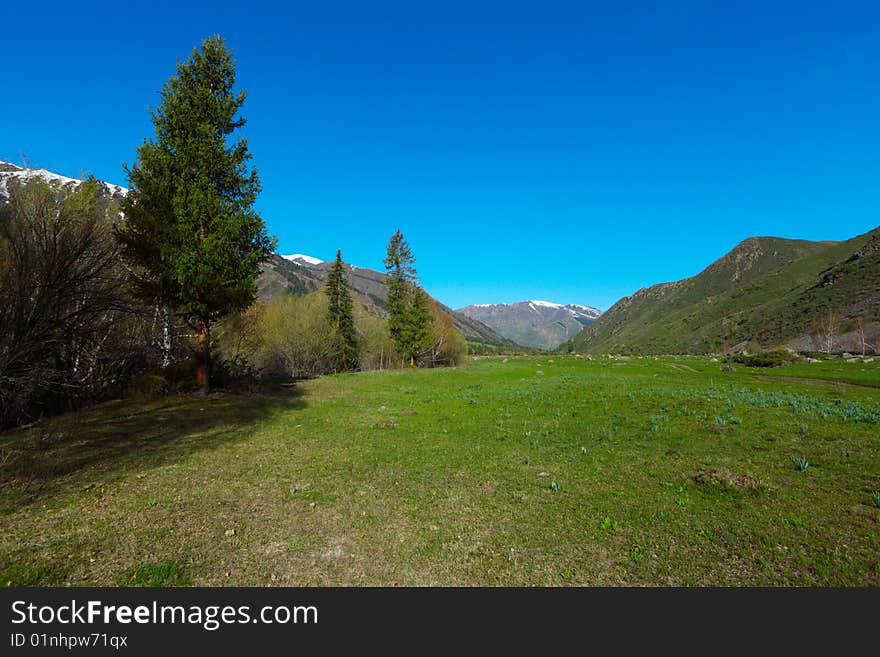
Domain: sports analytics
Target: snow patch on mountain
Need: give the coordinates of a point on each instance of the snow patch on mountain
(300, 257)
(9, 171)
(584, 311)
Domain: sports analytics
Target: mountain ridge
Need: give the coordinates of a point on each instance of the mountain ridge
(9, 171)
(766, 291)
(533, 323)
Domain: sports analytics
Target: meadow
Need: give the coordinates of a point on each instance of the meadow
(538, 470)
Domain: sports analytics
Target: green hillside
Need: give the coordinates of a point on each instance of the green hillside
(767, 292)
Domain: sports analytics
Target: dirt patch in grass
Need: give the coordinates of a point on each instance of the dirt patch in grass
(680, 367)
(724, 477)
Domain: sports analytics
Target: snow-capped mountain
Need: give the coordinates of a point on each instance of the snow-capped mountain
(302, 258)
(9, 171)
(535, 323)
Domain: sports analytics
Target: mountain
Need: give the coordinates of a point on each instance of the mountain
(297, 273)
(766, 292)
(303, 259)
(537, 324)
(300, 274)
(10, 172)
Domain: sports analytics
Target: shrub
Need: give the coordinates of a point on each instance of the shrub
(147, 385)
(448, 346)
(68, 330)
(377, 347)
(295, 338)
(765, 359)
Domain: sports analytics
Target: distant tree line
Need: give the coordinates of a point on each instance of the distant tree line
(327, 332)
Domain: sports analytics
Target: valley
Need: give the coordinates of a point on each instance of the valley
(540, 470)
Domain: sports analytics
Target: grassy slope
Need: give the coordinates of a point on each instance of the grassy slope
(669, 471)
(767, 289)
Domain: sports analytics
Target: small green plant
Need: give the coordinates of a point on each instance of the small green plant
(805, 429)
(876, 496)
(583, 450)
(152, 503)
(554, 486)
(800, 463)
(608, 523)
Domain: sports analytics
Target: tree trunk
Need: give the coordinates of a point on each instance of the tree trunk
(203, 377)
(166, 337)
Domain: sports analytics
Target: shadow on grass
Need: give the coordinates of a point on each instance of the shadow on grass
(120, 437)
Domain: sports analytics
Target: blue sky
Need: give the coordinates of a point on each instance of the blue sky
(573, 152)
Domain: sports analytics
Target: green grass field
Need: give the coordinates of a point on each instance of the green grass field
(543, 470)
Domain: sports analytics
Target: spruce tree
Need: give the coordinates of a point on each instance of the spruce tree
(409, 315)
(190, 232)
(341, 317)
(400, 279)
(417, 331)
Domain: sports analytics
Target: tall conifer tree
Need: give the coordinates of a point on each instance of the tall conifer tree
(341, 316)
(417, 329)
(401, 276)
(190, 230)
(409, 316)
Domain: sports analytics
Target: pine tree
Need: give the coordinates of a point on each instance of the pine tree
(399, 282)
(341, 316)
(190, 232)
(409, 314)
(417, 331)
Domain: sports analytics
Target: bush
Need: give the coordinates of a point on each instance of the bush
(774, 358)
(289, 337)
(448, 346)
(292, 337)
(181, 376)
(377, 347)
(68, 330)
(147, 386)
